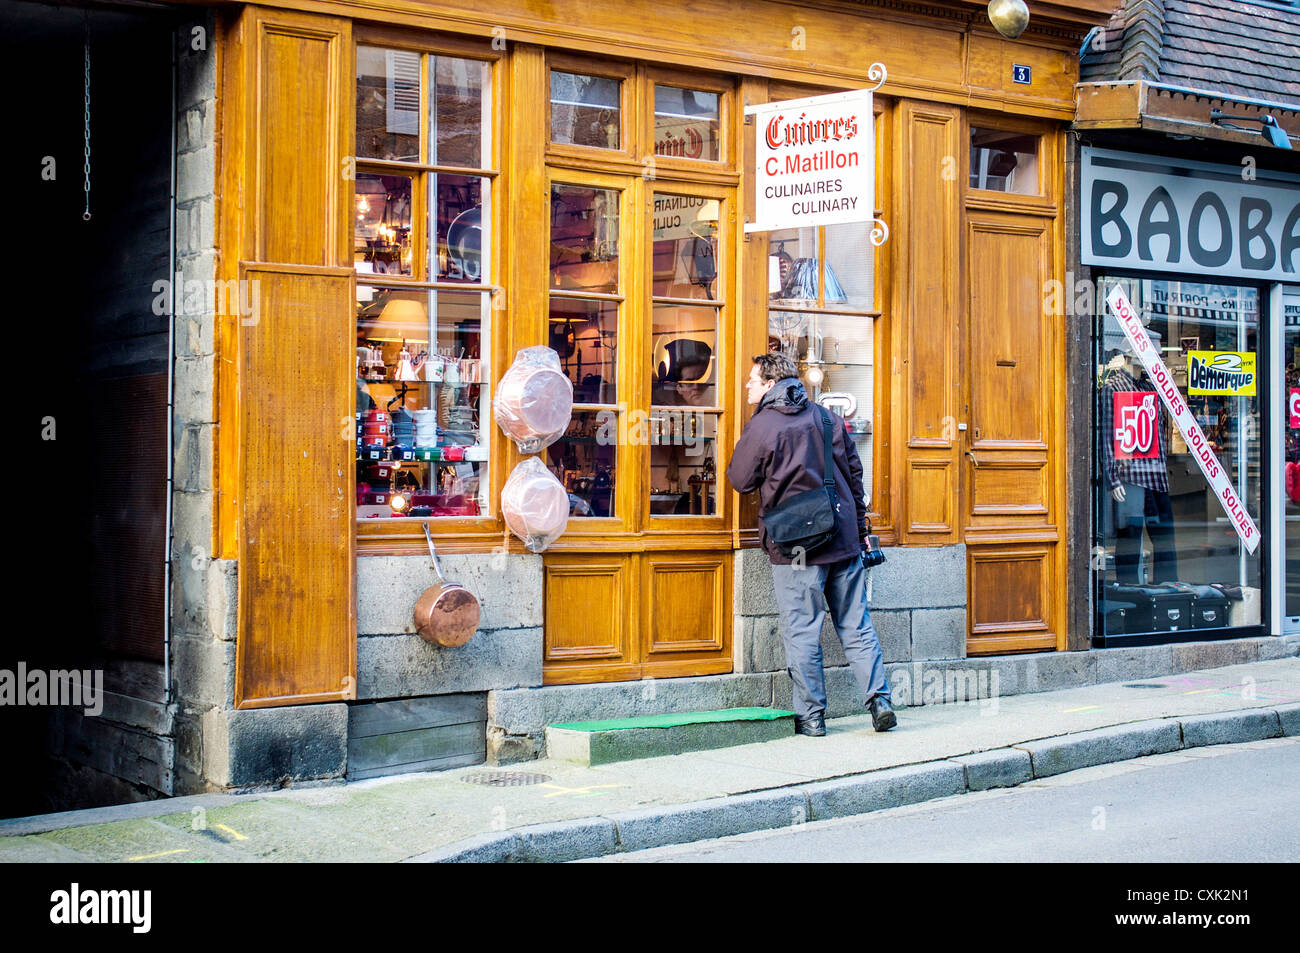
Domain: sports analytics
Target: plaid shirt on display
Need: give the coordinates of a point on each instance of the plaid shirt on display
(1151, 473)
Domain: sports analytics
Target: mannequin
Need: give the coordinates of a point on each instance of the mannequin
(1139, 487)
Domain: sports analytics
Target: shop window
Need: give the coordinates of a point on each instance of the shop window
(688, 123)
(1166, 557)
(421, 250)
(1002, 161)
(821, 314)
(585, 110)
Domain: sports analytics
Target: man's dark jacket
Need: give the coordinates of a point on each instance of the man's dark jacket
(781, 453)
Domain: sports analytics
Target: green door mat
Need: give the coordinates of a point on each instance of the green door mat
(679, 719)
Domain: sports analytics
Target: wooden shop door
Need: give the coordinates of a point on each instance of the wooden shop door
(1013, 507)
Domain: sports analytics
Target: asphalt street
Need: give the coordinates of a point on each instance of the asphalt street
(1231, 803)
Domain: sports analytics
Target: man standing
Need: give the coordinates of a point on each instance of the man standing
(780, 454)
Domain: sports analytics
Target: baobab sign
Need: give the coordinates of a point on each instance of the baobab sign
(1176, 215)
(815, 160)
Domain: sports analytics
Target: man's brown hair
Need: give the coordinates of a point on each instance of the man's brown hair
(775, 367)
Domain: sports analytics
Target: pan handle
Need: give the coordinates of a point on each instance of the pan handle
(436, 568)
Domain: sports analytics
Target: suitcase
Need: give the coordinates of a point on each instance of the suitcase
(1156, 608)
(1210, 607)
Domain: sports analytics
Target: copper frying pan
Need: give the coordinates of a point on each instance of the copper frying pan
(446, 614)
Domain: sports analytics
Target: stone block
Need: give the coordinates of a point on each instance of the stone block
(492, 848)
(203, 670)
(879, 790)
(1230, 727)
(894, 630)
(530, 710)
(629, 744)
(704, 820)
(1134, 663)
(260, 746)
(1274, 648)
(1049, 671)
(223, 598)
(197, 76)
(563, 841)
(762, 649)
(754, 591)
(1004, 768)
(1102, 746)
(1289, 717)
(194, 403)
(395, 666)
(1193, 656)
(509, 589)
(939, 633)
(920, 577)
(196, 173)
(506, 748)
(938, 682)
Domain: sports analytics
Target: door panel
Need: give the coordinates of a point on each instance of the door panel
(686, 620)
(1010, 529)
(1011, 598)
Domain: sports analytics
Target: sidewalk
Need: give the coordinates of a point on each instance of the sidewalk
(575, 812)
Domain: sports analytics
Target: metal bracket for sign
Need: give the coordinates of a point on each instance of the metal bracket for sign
(877, 72)
(879, 232)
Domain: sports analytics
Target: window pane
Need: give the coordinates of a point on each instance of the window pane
(687, 124)
(584, 239)
(683, 466)
(458, 116)
(793, 269)
(585, 335)
(683, 348)
(1003, 161)
(685, 246)
(1159, 522)
(851, 266)
(388, 104)
(585, 110)
(457, 228)
(584, 461)
(422, 403)
(382, 237)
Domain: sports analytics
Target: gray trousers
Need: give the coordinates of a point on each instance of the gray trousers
(804, 594)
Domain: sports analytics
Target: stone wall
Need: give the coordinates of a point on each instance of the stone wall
(918, 606)
(506, 651)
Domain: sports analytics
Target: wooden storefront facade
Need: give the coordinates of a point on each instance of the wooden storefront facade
(969, 393)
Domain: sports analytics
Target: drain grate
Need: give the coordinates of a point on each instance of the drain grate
(505, 779)
(1139, 685)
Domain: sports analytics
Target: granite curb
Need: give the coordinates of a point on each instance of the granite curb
(775, 808)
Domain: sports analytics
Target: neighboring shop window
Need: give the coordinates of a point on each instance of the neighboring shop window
(421, 252)
(821, 314)
(1002, 161)
(1166, 556)
(1290, 422)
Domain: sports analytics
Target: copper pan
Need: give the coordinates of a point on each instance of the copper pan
(446, 614)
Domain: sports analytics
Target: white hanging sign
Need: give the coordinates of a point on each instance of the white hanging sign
(1183, 419)
(815, 161)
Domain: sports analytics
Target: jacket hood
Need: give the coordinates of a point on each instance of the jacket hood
(787, 396)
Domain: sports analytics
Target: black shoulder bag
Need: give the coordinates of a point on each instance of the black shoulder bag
(806, 521)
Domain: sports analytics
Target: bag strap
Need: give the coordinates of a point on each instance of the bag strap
(828, 472)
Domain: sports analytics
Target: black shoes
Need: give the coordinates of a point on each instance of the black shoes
(814, 726)
(882, 714)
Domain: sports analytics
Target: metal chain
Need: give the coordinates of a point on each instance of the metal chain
(86, 215)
